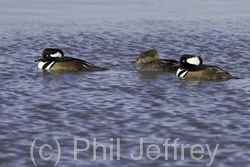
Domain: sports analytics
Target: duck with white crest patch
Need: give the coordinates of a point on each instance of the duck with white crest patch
(53, 59)
(192, 67)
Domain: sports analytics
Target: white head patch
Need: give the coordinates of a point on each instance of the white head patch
(57, 54)
(194, 60)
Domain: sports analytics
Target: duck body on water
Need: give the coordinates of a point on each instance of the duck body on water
(192, 67)
(53, 59)
(150, 61)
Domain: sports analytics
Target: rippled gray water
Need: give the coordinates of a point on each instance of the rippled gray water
(123, 103)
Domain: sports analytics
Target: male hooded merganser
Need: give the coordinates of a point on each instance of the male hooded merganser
(150, 61)
(192, 68)
(53, 59)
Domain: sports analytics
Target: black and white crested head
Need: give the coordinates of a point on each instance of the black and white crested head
(190, 60)
(52, 52)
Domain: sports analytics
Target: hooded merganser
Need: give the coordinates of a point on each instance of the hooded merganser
(192, 68)
(150, 61)
(53, 59)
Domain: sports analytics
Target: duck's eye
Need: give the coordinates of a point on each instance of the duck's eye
(47, 55)
(183, 61)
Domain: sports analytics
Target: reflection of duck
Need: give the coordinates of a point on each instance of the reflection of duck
(53, 59)
(192, 68)
(150, 61)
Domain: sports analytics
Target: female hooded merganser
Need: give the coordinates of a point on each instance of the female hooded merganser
(150, 61)
(192, 68)
(53, 59)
